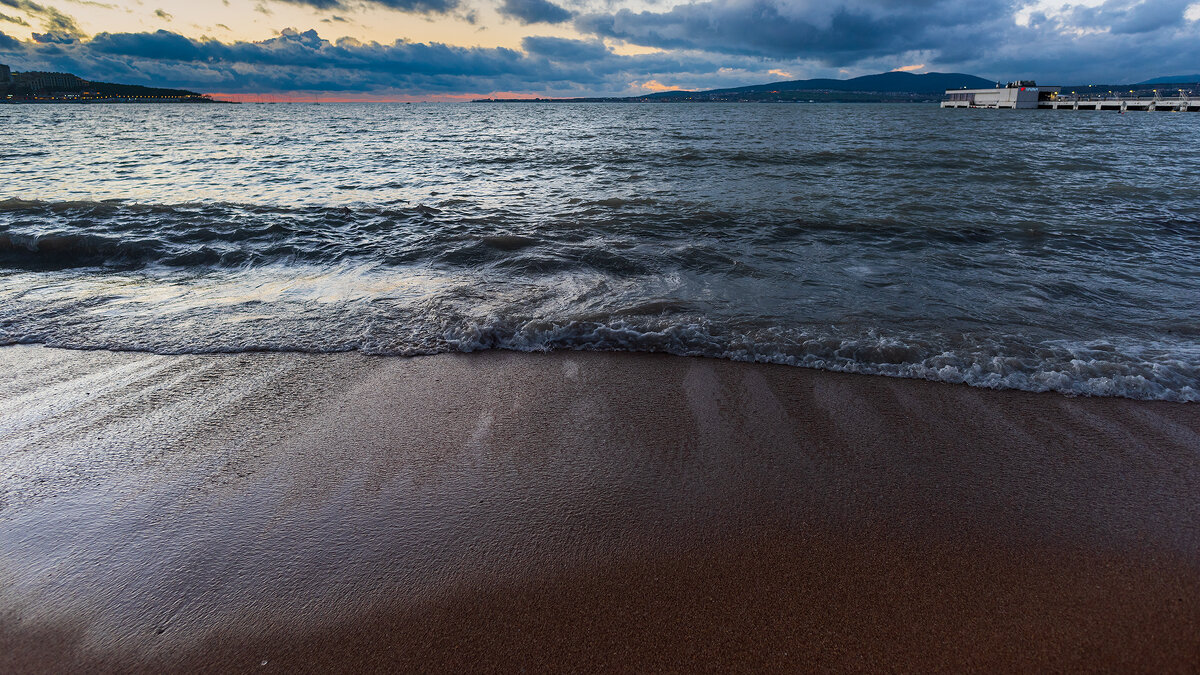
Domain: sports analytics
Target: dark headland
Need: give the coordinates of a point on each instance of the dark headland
(43, 87)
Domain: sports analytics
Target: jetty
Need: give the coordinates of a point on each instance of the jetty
(1027, 95)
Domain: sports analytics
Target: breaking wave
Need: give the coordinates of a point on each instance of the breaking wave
(441, 315)
(1096, 369)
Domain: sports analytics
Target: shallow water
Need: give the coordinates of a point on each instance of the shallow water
(1038, 250)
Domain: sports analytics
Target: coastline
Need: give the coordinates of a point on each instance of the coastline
(581, 510)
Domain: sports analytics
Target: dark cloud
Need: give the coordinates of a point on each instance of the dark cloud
(1102, 58)
(9, 44)
(54, 38)
(838, 33)
(562, 49)
(534, 11)
(1111, 41)
(161, 44)
(163, 15)
(1121, 41)
(14, 19)
(1131, 17)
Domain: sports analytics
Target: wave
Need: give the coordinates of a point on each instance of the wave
(1077, 369)
(1162, 372)
(57, 250)
(41, 235)
(1065, 306)
(618, 234)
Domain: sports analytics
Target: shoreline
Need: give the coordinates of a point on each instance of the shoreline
(1024, 384)
(571, 510)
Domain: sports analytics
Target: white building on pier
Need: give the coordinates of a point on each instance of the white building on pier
(1017, 95)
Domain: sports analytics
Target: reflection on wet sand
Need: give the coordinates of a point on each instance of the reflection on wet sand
(577, 510)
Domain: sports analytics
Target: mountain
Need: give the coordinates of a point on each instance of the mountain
(1174, 79)
(883, 83)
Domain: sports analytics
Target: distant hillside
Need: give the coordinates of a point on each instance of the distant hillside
(1174, 79)
(61, 85)
(113, 89)
(883, 83)
(888, 87)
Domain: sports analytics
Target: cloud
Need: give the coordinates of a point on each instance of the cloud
(413, 6)
(696, 44)
(1116, 42)
(655, 85)
(14, 19)
(837, 33)
(1128, 17)
(54, 38)
(534, 11)
(1116, 39)
(59, 27)
(318, 4)
(563, 49)
(906, 69)
(303, 61)
(163, 15)
(161, 44)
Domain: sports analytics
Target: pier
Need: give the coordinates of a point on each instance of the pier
(1029, 96)
(1123, 103)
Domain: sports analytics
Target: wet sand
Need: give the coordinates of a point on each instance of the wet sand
(575, 511)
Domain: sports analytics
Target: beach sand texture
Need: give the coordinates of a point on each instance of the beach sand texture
(581, 511)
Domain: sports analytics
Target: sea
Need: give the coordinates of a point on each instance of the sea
(1031, 250)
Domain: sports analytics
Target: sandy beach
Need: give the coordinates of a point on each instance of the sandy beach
(580, 511)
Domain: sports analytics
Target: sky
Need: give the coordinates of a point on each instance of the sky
(462, 49)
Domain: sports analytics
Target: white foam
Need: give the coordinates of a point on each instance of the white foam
(1121, 375)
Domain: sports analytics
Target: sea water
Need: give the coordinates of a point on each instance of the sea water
(1035, 250)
